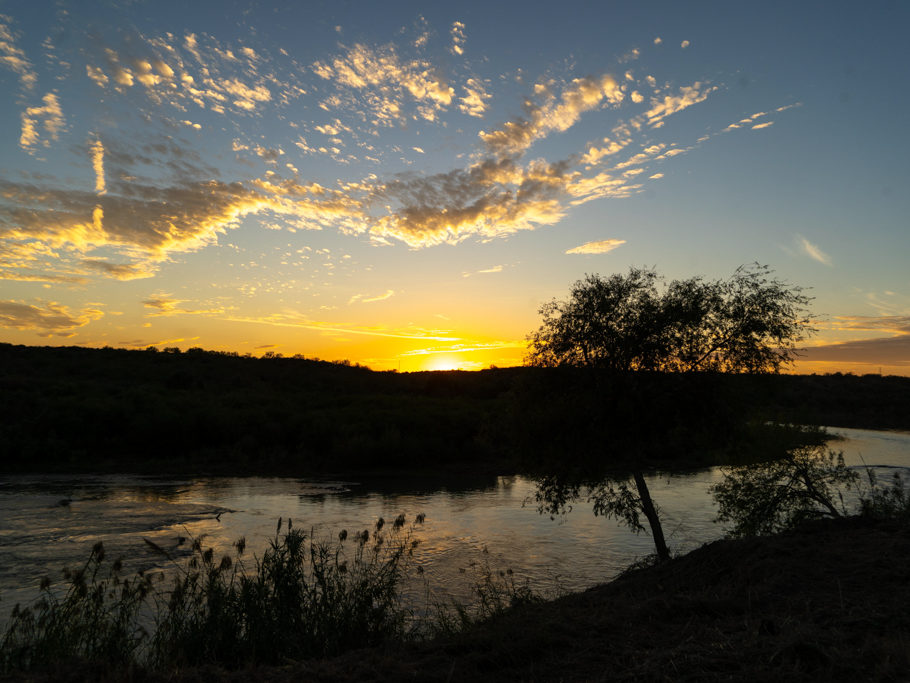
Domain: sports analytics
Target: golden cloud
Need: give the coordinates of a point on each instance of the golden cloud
(387, 80)
(599, 247)
(13, 58)
(553, 115)
(46, 318)
(48, 116)
(661, 108)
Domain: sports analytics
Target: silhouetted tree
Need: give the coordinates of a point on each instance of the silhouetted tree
(625, 328)
(772, 496)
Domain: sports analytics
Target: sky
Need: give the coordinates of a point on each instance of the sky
(404, 185)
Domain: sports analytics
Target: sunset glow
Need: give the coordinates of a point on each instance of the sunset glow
(403, 186)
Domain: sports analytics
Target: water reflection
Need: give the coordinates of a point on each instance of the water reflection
(39, 535)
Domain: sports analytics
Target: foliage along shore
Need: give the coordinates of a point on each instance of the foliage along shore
(825, 601)
(71, 409)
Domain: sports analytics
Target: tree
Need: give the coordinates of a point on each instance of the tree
(779, 494)
(749, 323)
(627, 328)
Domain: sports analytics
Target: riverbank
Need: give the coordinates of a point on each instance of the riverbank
(824, 602)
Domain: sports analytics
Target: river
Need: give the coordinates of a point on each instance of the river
(51, 522)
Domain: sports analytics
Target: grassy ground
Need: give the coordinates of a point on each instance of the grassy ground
(825, 602)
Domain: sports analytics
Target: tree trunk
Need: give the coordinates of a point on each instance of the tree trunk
(647, 506)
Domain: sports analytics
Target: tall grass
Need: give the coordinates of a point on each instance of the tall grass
(304, 597)
(493, 592)
(96, 619)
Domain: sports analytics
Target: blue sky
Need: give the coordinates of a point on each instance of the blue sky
(404, 185)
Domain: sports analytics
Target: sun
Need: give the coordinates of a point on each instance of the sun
(446, 361)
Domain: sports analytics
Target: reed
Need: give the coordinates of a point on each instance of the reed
(304, 597)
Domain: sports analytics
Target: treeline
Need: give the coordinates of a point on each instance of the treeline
(68, 408)
(72, 409)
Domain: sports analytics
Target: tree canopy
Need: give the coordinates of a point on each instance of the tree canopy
(751, 322)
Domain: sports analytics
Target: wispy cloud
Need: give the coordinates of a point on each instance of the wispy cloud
(370, 299)
(813, 251)
(166, 305)
(466, 347)
(600, 247)
(290, 319)
(493, 269)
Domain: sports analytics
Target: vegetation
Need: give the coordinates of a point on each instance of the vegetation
(824, 601)
(764, 498)
(202, 412)
(748, 323)
(622, 328)
(207, 412)
(304, 598)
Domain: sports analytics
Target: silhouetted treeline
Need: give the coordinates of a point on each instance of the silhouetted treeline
(70, 408)
(200, 411)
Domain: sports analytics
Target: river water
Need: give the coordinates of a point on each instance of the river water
(51, 522)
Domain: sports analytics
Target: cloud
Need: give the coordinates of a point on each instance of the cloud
(47, 318)
(366, 300)
(153, 200)
(166, 305)
(595, 154)
(813, 251)
(658, 40)
(493, 269)
(120, 271)
(296, 320)
(474, 101)
(381, 297)
(13, 58)
(48, 116)
(894, 324)
(684, 44)
(387, 81)
(661, 108)
(759, 126)
(553, 115)
(97, 75)
(163, 304)
(878, 351)
(601, 247)
(193, 70)
(488, 199)
(458, 38)
(96, 149)
(466, 347)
